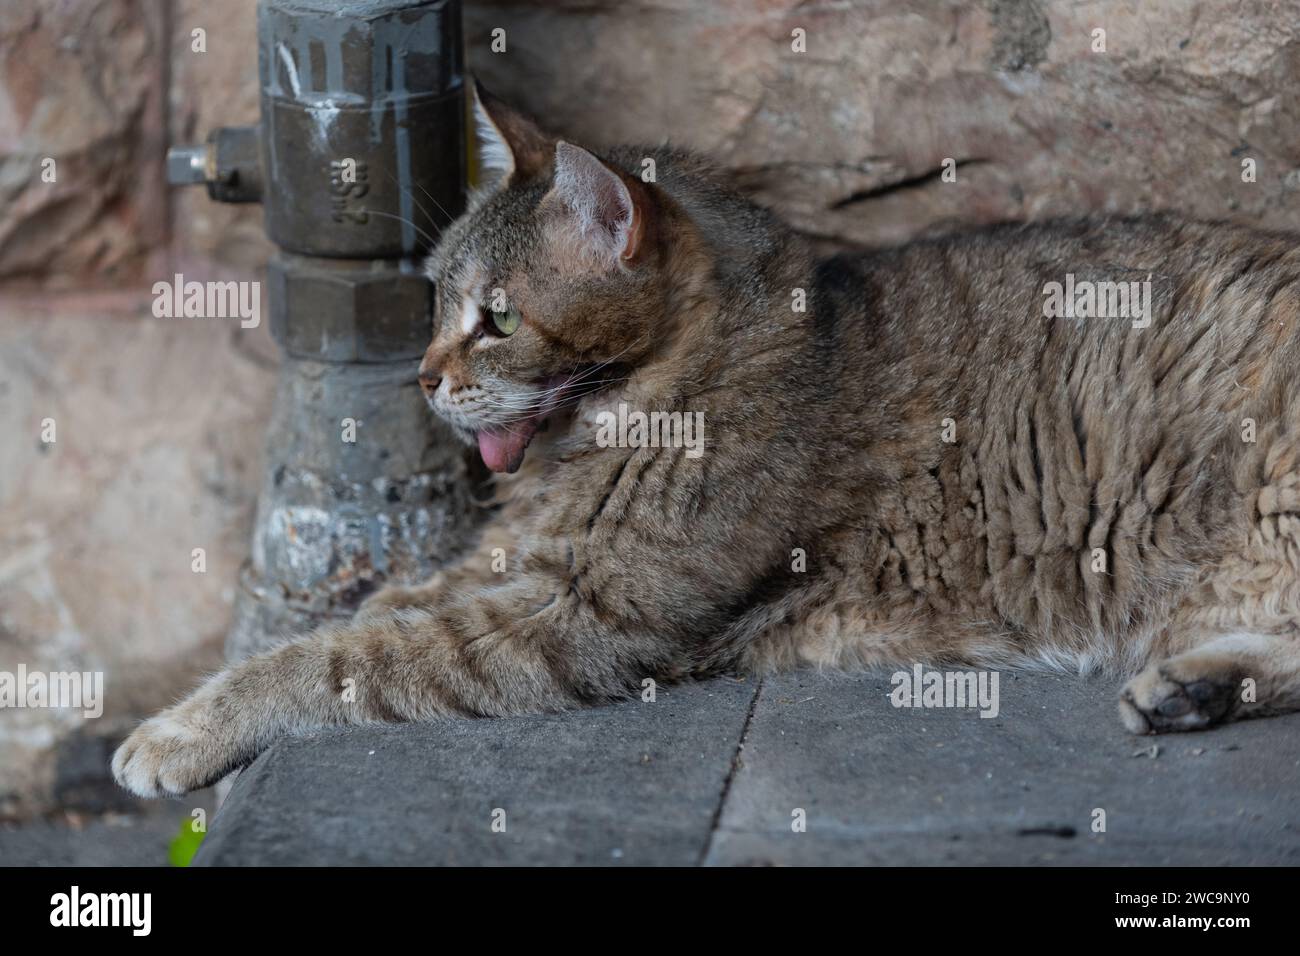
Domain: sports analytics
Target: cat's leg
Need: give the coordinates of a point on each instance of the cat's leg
(1227, 678)
(1249, 606)
(511, 650)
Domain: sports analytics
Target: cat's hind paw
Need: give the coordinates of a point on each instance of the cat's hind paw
(1174, 695)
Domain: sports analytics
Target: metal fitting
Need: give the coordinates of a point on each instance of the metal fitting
(345, 310)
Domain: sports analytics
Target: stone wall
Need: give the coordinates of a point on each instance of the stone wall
(848, 138)
(82, 86)
(160, 422)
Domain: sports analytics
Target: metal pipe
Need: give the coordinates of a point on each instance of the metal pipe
(358, 161)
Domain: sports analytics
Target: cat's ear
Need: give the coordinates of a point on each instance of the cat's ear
(608, 208)
(512, 148)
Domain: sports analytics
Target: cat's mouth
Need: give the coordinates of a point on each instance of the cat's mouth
(503, 446)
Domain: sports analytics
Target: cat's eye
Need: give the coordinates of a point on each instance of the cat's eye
(505, 322)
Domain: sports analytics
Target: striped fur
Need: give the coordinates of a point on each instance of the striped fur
(949, 463)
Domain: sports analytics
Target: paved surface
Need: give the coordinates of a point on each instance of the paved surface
(717, 773)
(137, 835)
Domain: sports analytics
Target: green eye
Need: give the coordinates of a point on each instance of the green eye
(506, 322)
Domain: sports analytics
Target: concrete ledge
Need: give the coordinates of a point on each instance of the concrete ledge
(638, 783)
(715, 773)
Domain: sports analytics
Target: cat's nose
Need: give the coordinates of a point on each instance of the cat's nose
(429, 380)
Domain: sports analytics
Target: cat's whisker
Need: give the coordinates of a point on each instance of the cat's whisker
(407, 191)
(428, 238)
(568, 399)
(581, 373)
(565, 392)
(450, 217)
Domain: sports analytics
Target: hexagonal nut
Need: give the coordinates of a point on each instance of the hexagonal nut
(349, 311)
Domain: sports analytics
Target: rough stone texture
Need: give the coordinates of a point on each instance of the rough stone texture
(879, 785)
(633, 785)
(209, 90)
(82, 84)
(103, 87)
(159, 427)
(887, 786)
(847, 140)
(137, 834)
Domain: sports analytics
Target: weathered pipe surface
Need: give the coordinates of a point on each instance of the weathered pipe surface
(362, 156)
(362, 487)
(364, 112)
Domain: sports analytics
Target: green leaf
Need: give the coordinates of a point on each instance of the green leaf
(185, 844)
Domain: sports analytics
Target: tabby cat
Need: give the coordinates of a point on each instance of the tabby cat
(905, 456)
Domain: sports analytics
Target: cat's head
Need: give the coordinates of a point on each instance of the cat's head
(549, 287)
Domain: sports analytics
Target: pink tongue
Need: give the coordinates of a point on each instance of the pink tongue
(504, 450)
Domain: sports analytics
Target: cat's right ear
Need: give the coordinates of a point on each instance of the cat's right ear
(512, 148)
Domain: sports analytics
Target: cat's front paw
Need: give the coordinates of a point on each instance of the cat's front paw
(170, 755)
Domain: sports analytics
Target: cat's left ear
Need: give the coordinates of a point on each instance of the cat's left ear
(609, 209)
